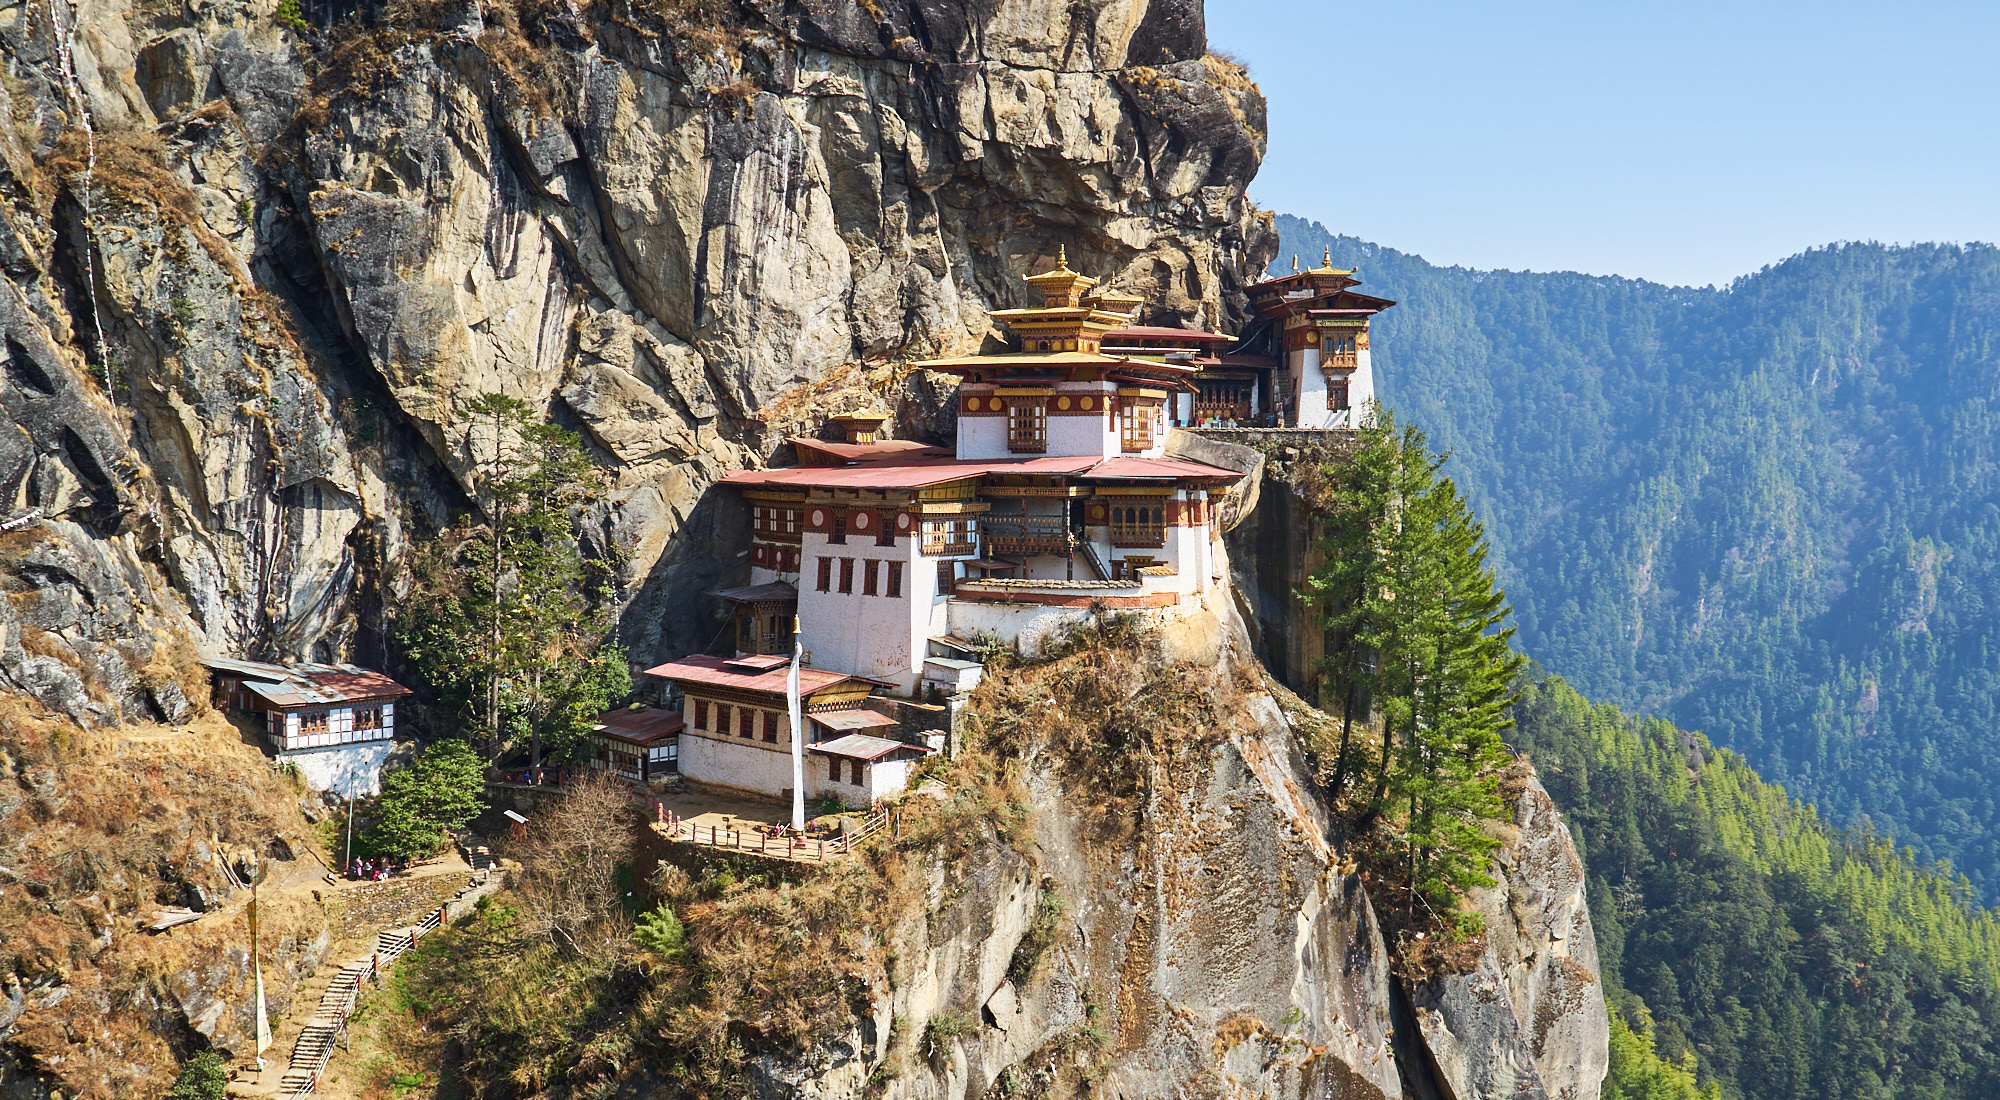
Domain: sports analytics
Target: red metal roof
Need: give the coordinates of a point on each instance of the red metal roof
(716, 672)
(904, 475)
(640, 726)
(862, 452)
(1159, 332)
(918, 475)
(1160, 469)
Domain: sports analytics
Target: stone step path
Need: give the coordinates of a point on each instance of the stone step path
(314, 1046)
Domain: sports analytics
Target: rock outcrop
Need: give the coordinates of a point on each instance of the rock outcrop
(261, 257)
(1222, 949)
(1530, 1020)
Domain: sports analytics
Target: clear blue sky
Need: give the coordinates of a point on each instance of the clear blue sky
(1684, 142)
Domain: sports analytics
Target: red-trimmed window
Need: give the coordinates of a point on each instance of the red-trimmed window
(833, 769)
(701, 714)
(895, 591)
(885, 528)
(838, 535)
(825, 574)
(869, 569)
(847, 576)
(746, 720)
(771, 727)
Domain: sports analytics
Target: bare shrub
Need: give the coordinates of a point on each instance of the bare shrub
(570, 864)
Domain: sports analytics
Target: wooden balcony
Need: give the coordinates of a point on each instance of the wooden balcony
(1025, 535)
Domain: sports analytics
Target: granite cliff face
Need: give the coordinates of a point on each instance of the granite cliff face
(1222, 948)
(259, 262)
(258, 259)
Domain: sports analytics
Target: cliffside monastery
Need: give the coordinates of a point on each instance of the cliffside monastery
(1065, 492)
(889, 565)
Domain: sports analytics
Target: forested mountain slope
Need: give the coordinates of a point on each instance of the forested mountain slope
(1785, 960)
(1769, 512)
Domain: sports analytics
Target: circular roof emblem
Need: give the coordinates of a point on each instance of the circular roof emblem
(973, 404)
(903, 520)
(1062, 403)
(1087, 402)
(860, 520)
(819, 517)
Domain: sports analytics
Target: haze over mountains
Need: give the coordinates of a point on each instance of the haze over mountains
(1769, 512)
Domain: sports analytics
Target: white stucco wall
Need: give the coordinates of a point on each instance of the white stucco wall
(755, 766)
(879, 780)
(347, 771)
(1082, 435)
(1026, 626)
(1304, 367)
(876, 636)
(983, 437)
(1361, 387)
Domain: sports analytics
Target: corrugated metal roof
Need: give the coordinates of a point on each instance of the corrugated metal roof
(773, 592)
(860, 746)
(905, 475)
(862, 452)
(715, 672)
(640, 726)
(1157, 469)
(1161, 332)
(858, 719)
(305, 685)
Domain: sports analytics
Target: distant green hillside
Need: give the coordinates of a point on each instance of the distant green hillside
(1740, 935)
(1769, 512)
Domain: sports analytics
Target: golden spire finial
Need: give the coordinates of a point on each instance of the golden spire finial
(1326, 258)
(1295, 263)
(1062, 256)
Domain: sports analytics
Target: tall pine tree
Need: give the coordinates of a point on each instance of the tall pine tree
(506, 620)
(1415, 636)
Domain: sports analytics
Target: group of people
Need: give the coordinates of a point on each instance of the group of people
(370, 870)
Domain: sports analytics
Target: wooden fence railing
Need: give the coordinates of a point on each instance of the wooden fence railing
(788, 846)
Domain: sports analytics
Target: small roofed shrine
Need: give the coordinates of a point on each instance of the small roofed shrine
(735, 732)
(637, 743)
(1057, 497)
(1311, 333)
(336, 723)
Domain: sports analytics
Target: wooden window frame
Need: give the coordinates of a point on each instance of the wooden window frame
(833, 769)
(826, 574)
(770, 727)
(701, 714)
(837, 533)
(894, 588)
(308, 726)
(1141, 525)
(885, 528)
(746, 723)
(1135, 427)
(870, 569)
(368, 718)
(1028, 426)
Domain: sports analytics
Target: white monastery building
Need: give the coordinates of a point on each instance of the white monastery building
(1057, 498)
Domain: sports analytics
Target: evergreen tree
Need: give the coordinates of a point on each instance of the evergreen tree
(424, 803)
(506, 620)
(1415, 623)
(202, 1077)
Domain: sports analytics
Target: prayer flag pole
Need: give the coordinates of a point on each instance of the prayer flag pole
(798, 730)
